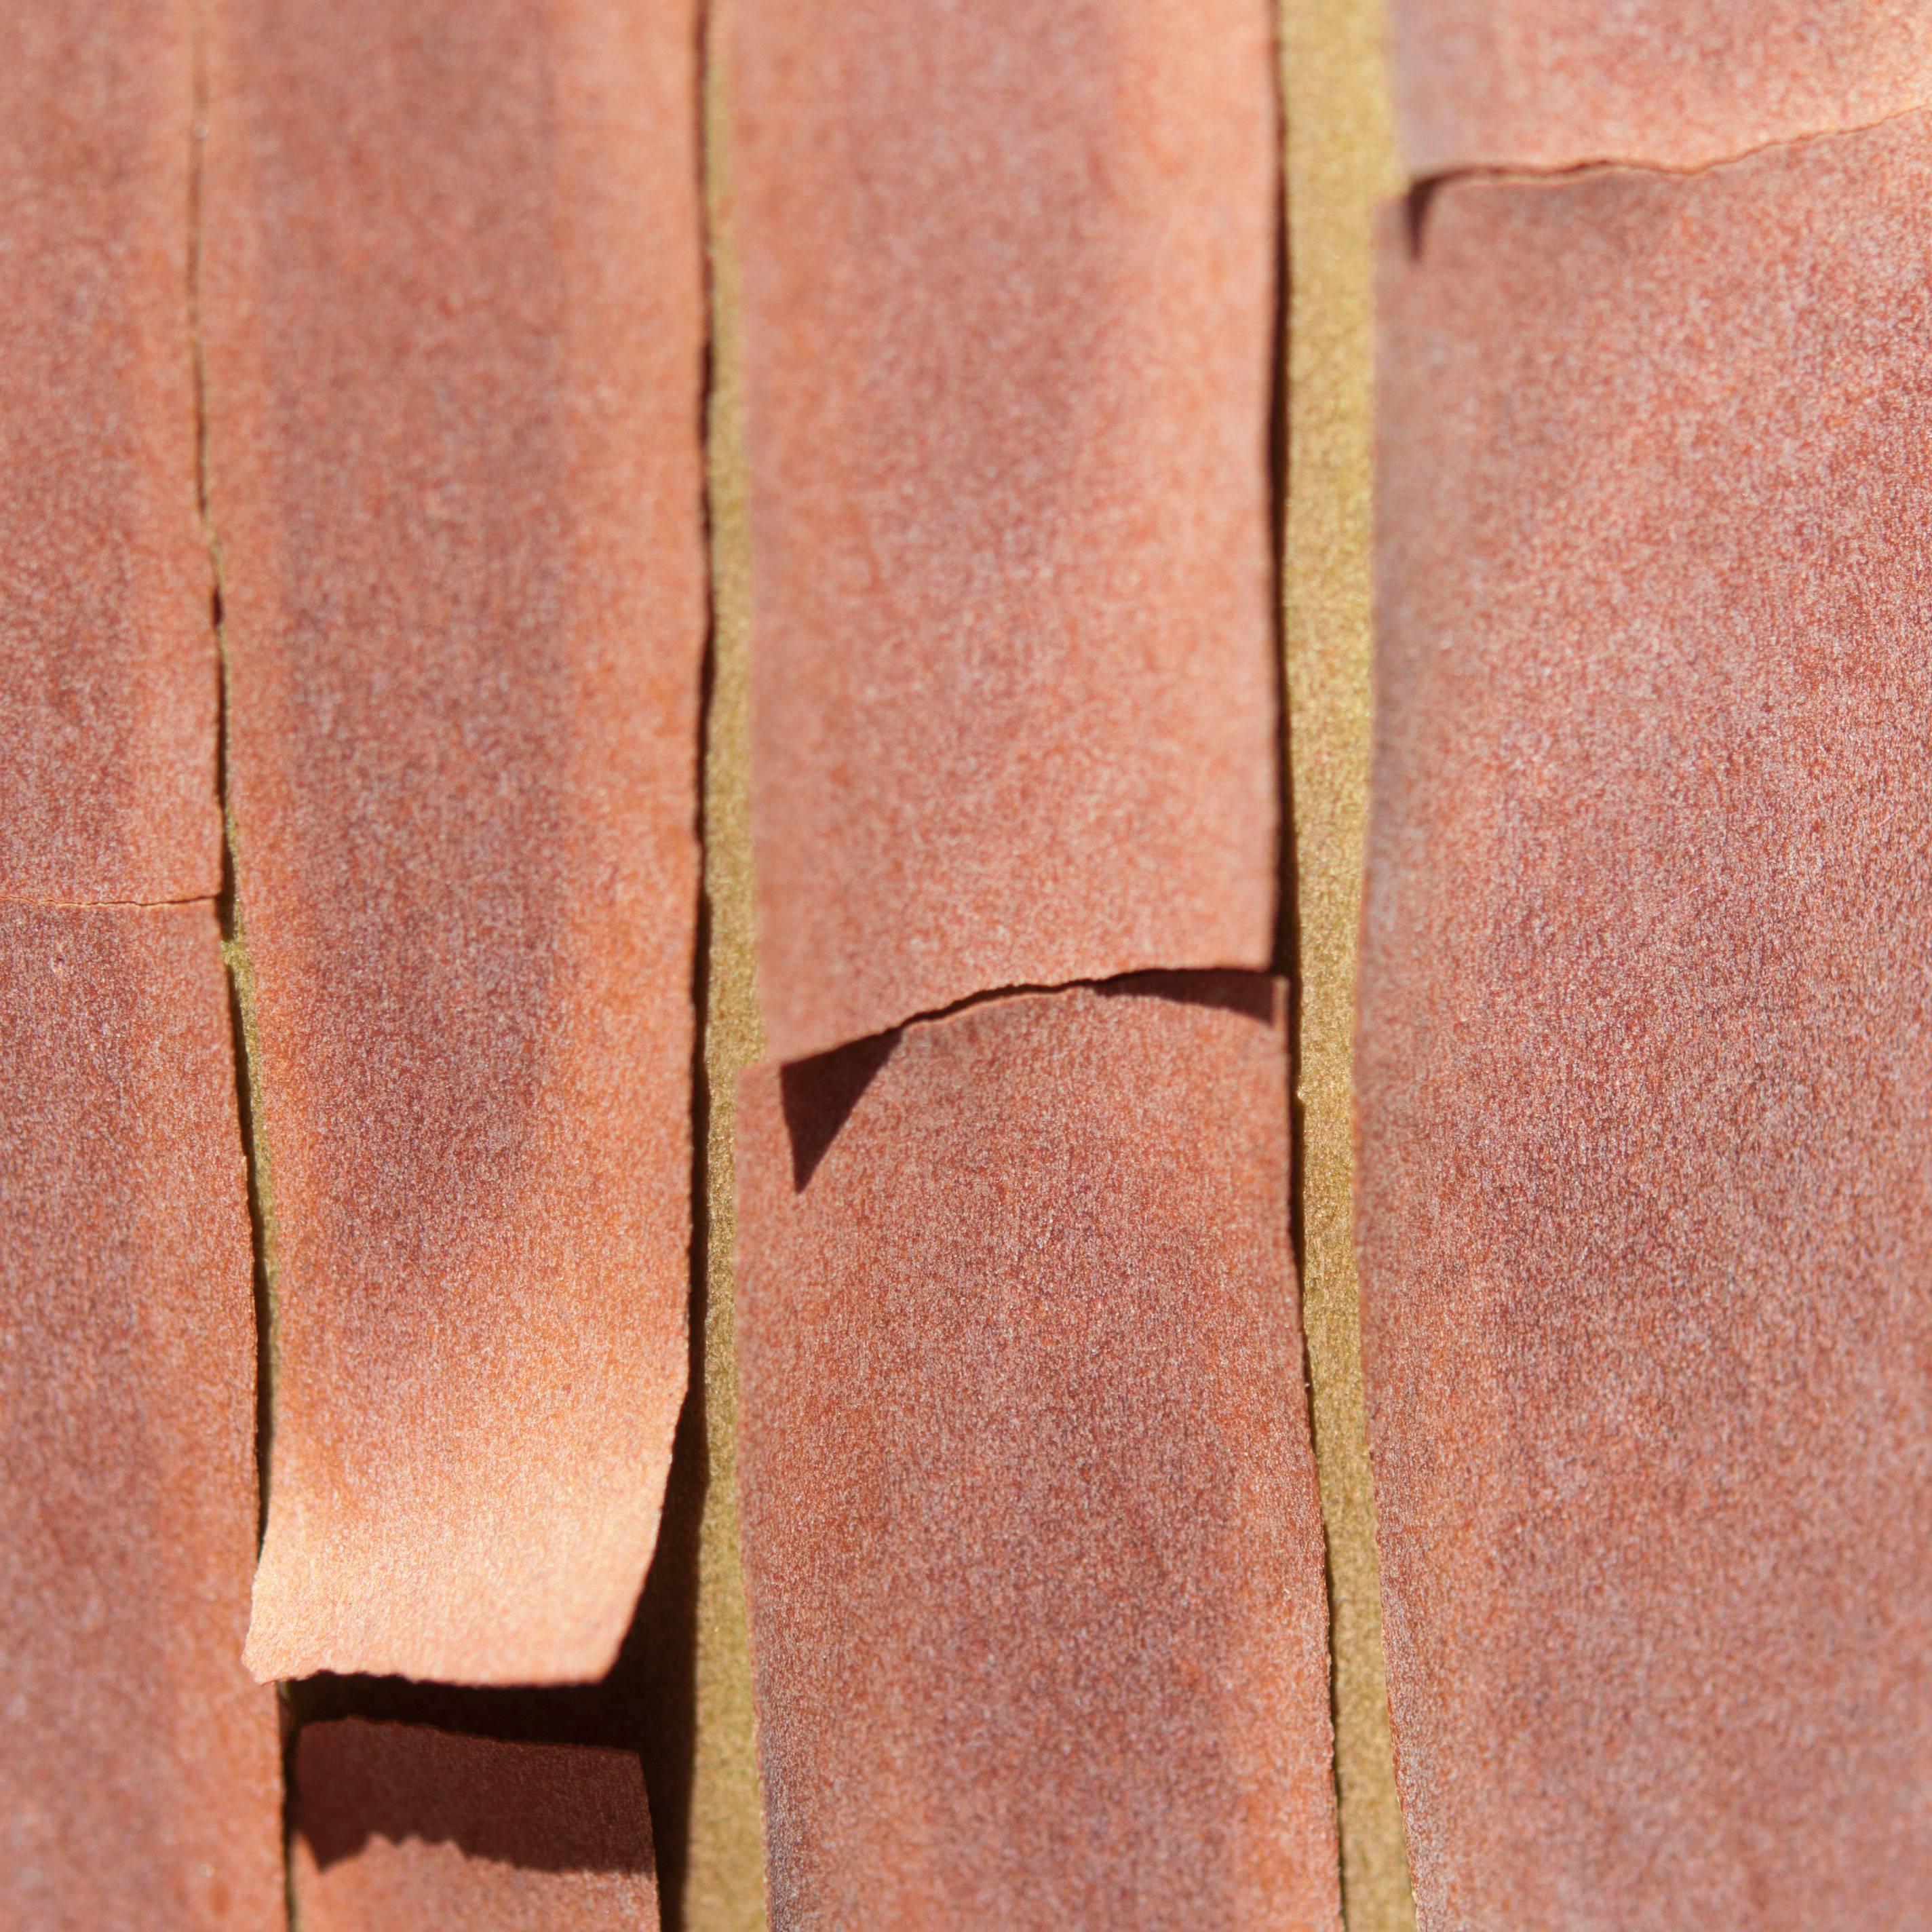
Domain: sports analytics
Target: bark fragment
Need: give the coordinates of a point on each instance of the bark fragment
(139, 1783)
(1646, 1066)
(1031, 1531)
(1007, 279)
(453, 319)
(1674, 83)
(107, 667)
(405, 1828)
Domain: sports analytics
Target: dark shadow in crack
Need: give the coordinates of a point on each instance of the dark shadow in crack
(557, 1808)
(818, 1096)
(1254, 995)
(645, 1707)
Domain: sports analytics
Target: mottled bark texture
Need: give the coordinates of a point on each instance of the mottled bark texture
(140, 1781)
(452, 308)
(1646, 1071)
(1031, 1531)
(108, 684)
(1008, 275)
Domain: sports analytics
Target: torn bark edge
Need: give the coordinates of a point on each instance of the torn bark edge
(1419, 200)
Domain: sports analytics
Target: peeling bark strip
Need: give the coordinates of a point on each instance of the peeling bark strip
(139, 1782)
(1031, 1526)
(1647, 1045)
(403, 1829)
(1677, 83)
(453, 319)
(1007, 274)
(107, 667)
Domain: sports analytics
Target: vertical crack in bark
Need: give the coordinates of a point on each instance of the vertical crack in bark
(1288, 961)
(670, 1608)
(1288, 919)
(723, 1882)
(234, 944)
(1340, 165)
(242, 979)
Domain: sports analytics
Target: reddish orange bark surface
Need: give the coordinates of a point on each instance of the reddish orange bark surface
(108, 683)
(1548, 83)
(140, 1781)
(1008, 287)
(453, 312)
(1646, 1064)
(403, 1829)
(1031, 1536)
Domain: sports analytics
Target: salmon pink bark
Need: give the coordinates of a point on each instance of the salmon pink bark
(140, 1782)
(1673, 83)
(452, 307)
(1646, 1064)
(108, 679)
(1008, 288)
(1031, 1534)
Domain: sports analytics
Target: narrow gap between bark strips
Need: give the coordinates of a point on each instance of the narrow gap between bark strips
(241, 977)
(1287, 907)
(108, 905)
(1289, 921)
(665, 1624)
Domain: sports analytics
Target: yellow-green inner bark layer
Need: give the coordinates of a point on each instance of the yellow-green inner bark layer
(724, 1888)
(1341, 165)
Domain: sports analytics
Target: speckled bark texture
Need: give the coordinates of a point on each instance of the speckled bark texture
(453, 315)
(140, 1781)
(1646, 1072)
(1030, 1525)
(1008, 283)
(108, 684)
(403, 1829)
(1677, 83)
